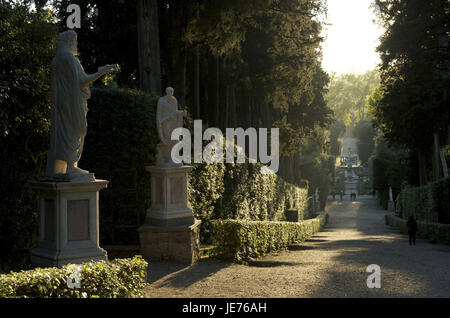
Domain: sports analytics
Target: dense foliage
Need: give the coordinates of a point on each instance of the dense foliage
(244, 240)
(414, 50)
(317, 166)
(120, 278)
(429, 203)
(241, 191)
(435, 232)
(27, 43)
(347, 95)
(252, 195)
(337, 131)
(389, 168)
(365, 133)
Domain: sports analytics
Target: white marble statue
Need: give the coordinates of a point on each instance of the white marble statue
(168, 118)
(70, 92)
(391, 197)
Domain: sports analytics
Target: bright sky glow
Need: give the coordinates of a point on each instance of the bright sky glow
(352, 37)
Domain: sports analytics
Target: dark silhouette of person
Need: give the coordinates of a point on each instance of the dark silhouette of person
(341, 194)
(412, 230)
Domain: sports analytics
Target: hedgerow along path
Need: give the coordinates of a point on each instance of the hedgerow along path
(331, 264)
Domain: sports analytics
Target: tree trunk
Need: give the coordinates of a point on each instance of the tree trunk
(214, 113)
(196, 84)
(232, 101)
(196, 75)
(177, 74)
(148, 46)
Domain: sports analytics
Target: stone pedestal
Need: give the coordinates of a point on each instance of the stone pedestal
(170, 231)
(69, 228)
(169, 197)
(179, 243)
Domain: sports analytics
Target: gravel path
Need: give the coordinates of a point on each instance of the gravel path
(331, 264)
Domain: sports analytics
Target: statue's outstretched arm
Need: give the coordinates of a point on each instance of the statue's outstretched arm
(90, 78)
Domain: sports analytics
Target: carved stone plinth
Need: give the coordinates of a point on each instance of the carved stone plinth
(69, 227)
(170, 231)
(169, 197)
(179, 243)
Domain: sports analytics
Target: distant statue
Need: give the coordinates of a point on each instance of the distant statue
(69, 95)
(316, 195)
(168, 118)
(391, 197)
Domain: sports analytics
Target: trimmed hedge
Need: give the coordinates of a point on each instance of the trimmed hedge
(206, 187)
(435, 232)
(120, 278)
(244, 240)
(252, 195)
(429, 203)
(241, 192)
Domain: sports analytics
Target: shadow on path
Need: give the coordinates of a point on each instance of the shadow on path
(272, 263)
(332, 263)
(181, 275)
(361, 238)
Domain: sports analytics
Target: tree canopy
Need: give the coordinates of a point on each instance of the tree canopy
(347, 95)
(413, 96)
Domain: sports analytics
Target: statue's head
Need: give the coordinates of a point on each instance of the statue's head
(69, 38)
(169, 91)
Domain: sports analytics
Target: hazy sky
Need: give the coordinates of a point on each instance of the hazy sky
(351, 38)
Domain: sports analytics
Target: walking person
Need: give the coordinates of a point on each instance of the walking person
(412, 230)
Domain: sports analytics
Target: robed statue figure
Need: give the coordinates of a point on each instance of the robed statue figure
(168, 118)
(69, 94)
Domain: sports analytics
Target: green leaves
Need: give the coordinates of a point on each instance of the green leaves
(429, 203)
(412, 103)
(241, 191)
(348, 93)
(121, 278)
(27, 43)
(242, 241)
